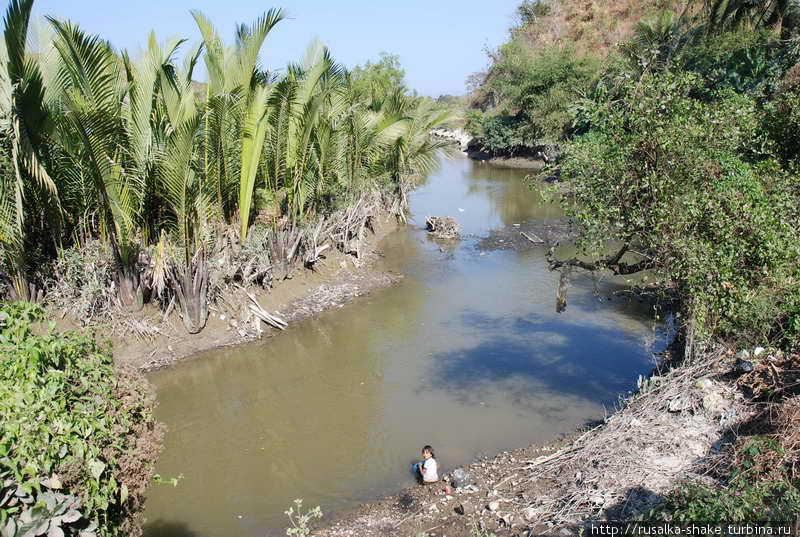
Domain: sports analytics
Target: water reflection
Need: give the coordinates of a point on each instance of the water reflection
(466, 353)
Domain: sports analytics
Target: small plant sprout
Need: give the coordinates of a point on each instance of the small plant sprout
(301, 520)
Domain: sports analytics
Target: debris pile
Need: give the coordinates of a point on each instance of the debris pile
(442, 227)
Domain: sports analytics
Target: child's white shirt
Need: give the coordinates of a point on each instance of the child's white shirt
(431, 473)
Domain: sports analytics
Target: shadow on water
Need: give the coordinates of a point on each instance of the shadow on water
(537, 353)
(163, 528)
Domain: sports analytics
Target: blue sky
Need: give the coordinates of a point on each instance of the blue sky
(439, 42)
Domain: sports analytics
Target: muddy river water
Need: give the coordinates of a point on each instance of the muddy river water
(466, 353)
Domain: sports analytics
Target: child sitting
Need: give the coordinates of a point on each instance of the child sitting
(427, 470)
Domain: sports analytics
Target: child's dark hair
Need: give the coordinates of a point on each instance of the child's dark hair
(429, 449)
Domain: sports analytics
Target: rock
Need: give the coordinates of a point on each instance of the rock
(462, 137)
(465, 508)
(530, 514)
(493, 506)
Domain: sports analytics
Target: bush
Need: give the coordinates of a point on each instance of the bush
(500, 135)
(78, 441)
(535, 93)
(690, 185)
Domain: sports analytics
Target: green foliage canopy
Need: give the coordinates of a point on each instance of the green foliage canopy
(691, 186)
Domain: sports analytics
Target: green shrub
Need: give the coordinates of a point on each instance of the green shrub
(501, 135)
(78, 439)
(690, 185)
(534, 93)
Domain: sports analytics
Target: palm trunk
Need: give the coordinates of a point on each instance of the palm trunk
(131, 293)
(190, 284)
(21, 290)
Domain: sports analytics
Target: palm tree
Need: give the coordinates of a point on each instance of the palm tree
(190, 202)
(758, 13)
(299, 106)
(24, 121)
(108, 106)
(656, 43)
(239, 88)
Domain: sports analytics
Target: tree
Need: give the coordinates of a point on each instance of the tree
(758, 13)
(24, 179)
(380, 78)
(235, 82)
(683, 187)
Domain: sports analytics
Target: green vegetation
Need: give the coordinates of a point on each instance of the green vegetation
(170, 174)
(78, 440)
(679, 153)
(300, 519)
(533, 95)
(381, 78)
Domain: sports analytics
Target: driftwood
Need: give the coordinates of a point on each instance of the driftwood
(532, 237)
(260, 313)
(613, 263)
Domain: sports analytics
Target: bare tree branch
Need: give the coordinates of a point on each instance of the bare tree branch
(612, 263)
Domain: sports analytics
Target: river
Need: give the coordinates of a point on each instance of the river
(466, 353)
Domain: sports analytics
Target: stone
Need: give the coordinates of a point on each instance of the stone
(465, 508)
(530, 514)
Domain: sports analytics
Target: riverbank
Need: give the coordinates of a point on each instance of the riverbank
(148, 340)
(677, 426)
(468, 146)
(519, 163)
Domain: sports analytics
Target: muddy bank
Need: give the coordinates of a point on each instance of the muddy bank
(675, 427)
(470, 147)
(520, 163)
(334, 281)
